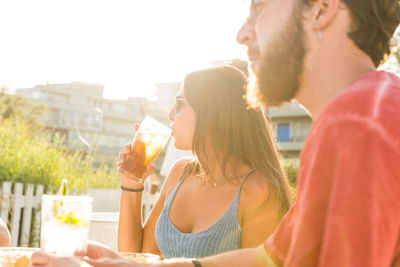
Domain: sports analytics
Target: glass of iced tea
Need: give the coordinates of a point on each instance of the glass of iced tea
(149, 140)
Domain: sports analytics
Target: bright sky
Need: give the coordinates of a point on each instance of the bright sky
(127, 45)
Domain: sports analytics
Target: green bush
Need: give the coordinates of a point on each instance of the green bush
(104, 177)
(291, 166)
(30, 155)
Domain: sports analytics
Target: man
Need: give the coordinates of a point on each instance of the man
(323, 53)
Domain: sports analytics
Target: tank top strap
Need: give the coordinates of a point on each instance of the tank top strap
(172, 194)
(247, 175)
(236, 199)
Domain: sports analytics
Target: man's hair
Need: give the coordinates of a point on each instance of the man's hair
(374, 22)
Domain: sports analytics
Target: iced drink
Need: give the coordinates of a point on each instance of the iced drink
(65, 224)
(148, 142)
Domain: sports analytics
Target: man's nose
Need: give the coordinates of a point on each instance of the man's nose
(245, 34)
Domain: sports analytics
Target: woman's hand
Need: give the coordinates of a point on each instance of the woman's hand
(122, 158)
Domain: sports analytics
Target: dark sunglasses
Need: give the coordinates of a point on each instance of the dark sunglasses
(179, 101)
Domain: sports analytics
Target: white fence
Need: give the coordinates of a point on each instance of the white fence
(20, 209)
(21, 212)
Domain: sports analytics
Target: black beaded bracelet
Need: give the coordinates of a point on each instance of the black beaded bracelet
(131, 189)
(196, 263)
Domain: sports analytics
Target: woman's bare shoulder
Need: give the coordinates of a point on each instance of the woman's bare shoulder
(255, 192)
(175, 174)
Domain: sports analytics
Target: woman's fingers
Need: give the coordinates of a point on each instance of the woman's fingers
(122, 157)
(149, 169)
(122, 154)
(127, 148)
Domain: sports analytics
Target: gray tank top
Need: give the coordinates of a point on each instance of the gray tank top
(223, 235)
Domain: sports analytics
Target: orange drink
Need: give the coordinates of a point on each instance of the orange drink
(148, 142)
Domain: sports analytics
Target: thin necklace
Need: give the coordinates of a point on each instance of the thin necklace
(203, 181)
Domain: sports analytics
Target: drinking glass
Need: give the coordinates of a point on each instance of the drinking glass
(149, 140)
(65, 224)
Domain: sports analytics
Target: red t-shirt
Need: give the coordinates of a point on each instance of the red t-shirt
(348, 200)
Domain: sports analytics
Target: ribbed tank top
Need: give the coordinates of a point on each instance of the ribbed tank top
(223, 235)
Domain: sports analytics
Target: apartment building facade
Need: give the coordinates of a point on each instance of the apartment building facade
(79, 112)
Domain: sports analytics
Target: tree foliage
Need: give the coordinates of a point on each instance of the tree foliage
(291, 166)
(17, 108)
(31, 154)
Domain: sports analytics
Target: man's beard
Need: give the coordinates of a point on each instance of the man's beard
(281, 64)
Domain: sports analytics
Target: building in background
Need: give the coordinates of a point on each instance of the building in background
(290, 124)
(79, 112)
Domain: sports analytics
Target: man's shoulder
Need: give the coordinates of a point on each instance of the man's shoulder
(368, 96)
(372, 100)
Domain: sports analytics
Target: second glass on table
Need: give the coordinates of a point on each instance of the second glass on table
(149, 140)
(65, 224)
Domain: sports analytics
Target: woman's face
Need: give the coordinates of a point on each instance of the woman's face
(183, 122)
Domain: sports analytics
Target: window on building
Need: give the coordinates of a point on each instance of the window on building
(283, 132)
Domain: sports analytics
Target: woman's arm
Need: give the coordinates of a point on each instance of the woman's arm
(254, 257)
(132, 235)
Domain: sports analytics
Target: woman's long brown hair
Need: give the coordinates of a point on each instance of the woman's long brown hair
(235, 132)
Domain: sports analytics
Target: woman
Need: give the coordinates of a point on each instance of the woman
(232, 196)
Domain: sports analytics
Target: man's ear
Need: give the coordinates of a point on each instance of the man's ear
(324, 12)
